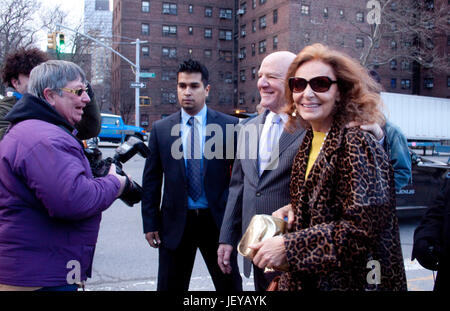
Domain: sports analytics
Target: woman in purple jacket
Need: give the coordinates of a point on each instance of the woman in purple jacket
(50, 204)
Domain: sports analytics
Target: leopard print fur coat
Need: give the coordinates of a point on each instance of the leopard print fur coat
(345, 234)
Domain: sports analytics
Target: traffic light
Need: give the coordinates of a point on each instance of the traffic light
(60, 42)
(51, 41)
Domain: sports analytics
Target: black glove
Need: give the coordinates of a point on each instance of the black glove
(427, 253)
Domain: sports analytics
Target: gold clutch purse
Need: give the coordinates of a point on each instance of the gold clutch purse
(261, 227)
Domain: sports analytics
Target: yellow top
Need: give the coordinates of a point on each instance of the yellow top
(316, 146)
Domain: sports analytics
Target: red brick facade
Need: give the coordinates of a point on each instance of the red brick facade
(239, 40)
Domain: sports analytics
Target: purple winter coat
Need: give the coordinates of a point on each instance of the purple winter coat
(50, 205)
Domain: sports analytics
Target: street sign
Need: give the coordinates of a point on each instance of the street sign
(148, 75)
(139, 85)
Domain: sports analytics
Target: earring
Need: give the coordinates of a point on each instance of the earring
(294, 114)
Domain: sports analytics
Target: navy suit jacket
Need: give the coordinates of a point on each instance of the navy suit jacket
(166, 164)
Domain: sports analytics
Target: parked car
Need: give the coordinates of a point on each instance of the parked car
(427, 178)
(116, 131)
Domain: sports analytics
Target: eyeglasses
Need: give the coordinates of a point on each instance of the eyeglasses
(77, 92)
(318, 84)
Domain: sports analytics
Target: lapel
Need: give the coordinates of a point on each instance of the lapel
(176, 121)
(286, 140)
(259, 122)
(211, 117)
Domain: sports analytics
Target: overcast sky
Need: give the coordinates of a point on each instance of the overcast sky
(74, 8)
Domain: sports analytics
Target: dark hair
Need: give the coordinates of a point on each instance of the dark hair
(21, 61)
(193, 66)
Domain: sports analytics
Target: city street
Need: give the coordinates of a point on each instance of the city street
(125, 262)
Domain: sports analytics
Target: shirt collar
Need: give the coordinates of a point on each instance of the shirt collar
(200, 116)
(283, 116)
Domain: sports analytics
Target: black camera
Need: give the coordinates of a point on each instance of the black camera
(132, 192)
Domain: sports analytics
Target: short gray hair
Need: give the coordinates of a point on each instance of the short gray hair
(53, 74)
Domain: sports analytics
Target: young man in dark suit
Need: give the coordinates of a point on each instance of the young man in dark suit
(196, 179)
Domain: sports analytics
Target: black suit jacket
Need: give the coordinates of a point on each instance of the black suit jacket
(168, 216)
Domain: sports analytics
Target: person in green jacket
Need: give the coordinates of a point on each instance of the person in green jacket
(15, 73)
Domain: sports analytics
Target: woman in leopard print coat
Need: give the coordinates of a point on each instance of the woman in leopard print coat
(344, 232)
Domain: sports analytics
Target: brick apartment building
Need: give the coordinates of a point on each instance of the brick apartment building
(232, 37)
(175, 31)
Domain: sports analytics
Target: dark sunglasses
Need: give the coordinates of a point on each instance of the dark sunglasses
(77, 92)
(318, 84)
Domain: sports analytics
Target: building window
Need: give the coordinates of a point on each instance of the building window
(393, 64)
(243, 53)
(168, 98)
(243, 8)
(102, 5)
(341, 13)
(304, 9)
(393, 44)
(394, 6)
(168, 75)
(191, 30)
(169, 30)
(393, 83)
(241, 98)
(169, 52)
(208, 33)
(275, 42)
(262, 46)
(253, 25)
(275, 16)
(228, 78)
(242, 75)
(190, 8)
(145, 6)
(226, 56)
(225, 35)
(448, 81)
(306, 37)
(406, 84)
(145, 51)
(325, 12)
(225, 13)
(253, 49)
(360, 17)
(207, 53)
(262, 1)
(406, 65)
(253, 73)
(359, 42)
(243, 31)
(428, 83)
(145, 29)
(262, 22)
(253, 4)
(208, 12)
(169, 8)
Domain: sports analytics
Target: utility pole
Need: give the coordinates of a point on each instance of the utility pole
(137, 89)
(136, 66)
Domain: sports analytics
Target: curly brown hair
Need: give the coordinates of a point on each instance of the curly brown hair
(21, 61)
(359, 93)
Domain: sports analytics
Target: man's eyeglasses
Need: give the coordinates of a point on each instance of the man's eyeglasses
(77, 92)
(318, 84)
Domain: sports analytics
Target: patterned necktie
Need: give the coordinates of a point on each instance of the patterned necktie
(268, 143)
(193, 162)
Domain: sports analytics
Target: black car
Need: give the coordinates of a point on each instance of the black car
(427, 178)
